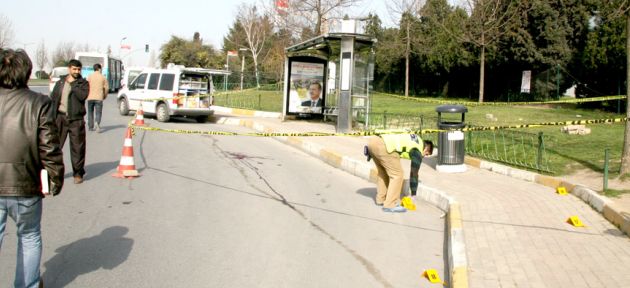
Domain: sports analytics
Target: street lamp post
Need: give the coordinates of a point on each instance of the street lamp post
(227, 67)
(120, 46)
(25, 44)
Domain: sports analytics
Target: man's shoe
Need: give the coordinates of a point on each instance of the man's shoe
(78, 179)
(397, 209)
(98, 128)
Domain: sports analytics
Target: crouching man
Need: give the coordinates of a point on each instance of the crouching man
(386, 150)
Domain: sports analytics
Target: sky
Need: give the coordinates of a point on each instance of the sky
(104, 23)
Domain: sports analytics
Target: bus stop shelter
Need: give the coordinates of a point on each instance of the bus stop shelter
(330, 76)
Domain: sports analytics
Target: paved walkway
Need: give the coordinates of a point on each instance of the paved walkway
(515, 231)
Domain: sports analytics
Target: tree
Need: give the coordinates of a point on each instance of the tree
(441, 53)
(623, 10)
(273, 62)
(625, 155)
(309, 18)
(6, 31)
(488, 21)
(63, 53)
(257, 28)
(190, 53)
(545, 37)
(41, 56)
(405, 11)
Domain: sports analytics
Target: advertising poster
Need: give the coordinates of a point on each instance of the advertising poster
(306, 90)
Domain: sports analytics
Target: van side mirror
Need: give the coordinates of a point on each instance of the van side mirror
(132, 86)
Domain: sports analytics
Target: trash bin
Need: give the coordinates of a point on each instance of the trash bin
(451, 144)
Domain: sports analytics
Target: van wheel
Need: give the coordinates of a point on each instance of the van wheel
(201, 119)
(123, 107)
(162, 113)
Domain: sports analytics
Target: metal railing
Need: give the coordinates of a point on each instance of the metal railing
(516, 148)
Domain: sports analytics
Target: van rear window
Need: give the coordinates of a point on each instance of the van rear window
(166, 83)
(194, 83)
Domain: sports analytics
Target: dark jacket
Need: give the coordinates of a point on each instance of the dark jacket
(76, 101)
(30, 143)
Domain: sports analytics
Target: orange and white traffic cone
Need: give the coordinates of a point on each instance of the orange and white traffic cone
(127, 168)
(139, 117)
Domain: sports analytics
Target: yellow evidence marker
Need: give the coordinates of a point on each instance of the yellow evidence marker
(575, 221)
(561, 190)
(432, 275)
(408, 203)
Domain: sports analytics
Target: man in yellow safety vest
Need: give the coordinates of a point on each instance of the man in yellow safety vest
(387, 149)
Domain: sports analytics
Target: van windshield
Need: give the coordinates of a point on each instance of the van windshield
(132, 75)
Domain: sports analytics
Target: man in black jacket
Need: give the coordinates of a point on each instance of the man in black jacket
(30, 145)
(69, 95)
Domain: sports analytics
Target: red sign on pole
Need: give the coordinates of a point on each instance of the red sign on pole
(125, 46)
(282, 6)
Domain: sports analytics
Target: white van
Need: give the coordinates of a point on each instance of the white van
(55, 75)
(129, 74)
(157, 90)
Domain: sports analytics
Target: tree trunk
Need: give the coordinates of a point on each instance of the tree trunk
(482, 71)
(625, 156)
(256, 70)
(318, 24)
(407, 61)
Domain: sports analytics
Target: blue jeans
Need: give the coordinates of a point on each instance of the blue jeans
(94, 107)
(27, 214)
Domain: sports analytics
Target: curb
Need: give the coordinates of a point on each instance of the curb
(243, 112)
(458, 264)
(602, 204)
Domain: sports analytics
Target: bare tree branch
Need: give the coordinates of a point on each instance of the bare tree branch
(257, 29)
(41, 56)
(6, 31)
(63, 53)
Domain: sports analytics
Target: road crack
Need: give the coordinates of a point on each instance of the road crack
(242, 164)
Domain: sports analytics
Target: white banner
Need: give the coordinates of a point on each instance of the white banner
(526, 81)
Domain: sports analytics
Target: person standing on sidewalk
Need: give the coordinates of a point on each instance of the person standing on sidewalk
(69, 95)
(98, 92)
(387, 149)
(30, 143)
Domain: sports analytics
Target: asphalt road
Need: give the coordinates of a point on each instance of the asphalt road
(224, 212)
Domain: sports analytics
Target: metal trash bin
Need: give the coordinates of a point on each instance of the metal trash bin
(451, 144)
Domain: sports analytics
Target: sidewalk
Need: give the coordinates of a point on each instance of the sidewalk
(515, 231)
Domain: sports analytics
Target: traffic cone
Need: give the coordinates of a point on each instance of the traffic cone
(139, 117)
(127, 168)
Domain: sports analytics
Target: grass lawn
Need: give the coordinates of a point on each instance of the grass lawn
(251, 99)
(615, 193)
(567, 153)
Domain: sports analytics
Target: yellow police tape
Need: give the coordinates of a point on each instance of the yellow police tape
(470, 103)
(374, 133)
